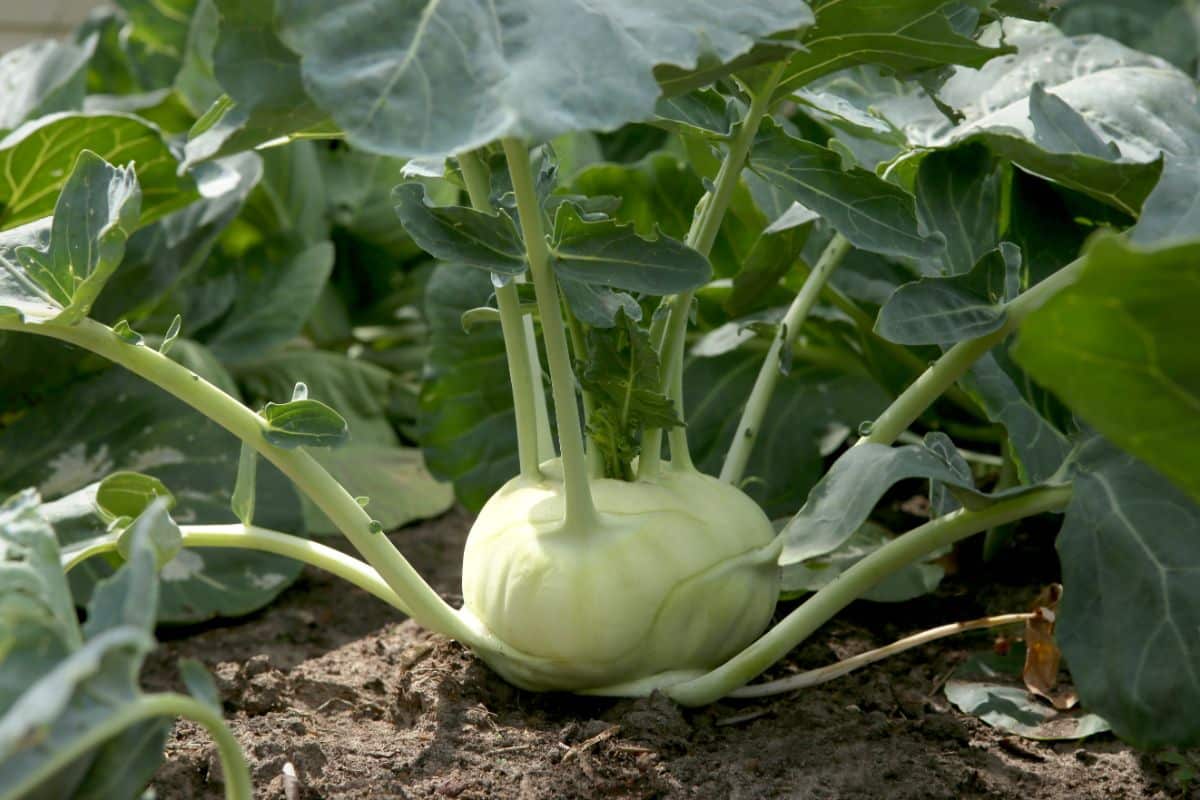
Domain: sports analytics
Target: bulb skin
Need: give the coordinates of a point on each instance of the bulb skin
(677, 573)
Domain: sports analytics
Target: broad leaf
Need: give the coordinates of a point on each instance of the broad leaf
(598, 306)
(606, 253)
(914, 580)
(460, 235)
(96, 212)
(904, 35)
(871, 213)
(117, 422)
(959, 195)
(467, 428)
(1117, 347)
(1165, 28)
(811, 413)
(265, 96)
(845, 497)
(41, 78)
(945, 311)
(427, 78)
(1131, 598)
(20, 294)
(36, 160)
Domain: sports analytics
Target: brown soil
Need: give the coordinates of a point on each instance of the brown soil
(366, 704)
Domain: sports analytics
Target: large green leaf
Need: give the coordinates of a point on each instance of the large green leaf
(1117, 347)
(843, 499)
(606, 253)
(462, 235)
(265, 94)
(1166, 28)
(93, 218)
(42, 78)
(947, 310)
(20, 294)
(467, 426)
(811, 406)
(904, 35)
(1130, 549)
(437, 77)
(959, 194)
(275, 294)
(118, 422)
(155, 38)
(36, 159)
(871, 213)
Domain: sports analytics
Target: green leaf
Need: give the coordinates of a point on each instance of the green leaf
(914, 580)
(458, 234)
(395, 478)
(772, 258)
(1165, 28)
(266, 98)
(275, 294)
(841, 502)
(36, 160)
(118, 422)
(1131, 599)
(598, 306)
(622, 373)
(703, 111)
(467, 428)
(156, 38)
(959, 195)
(158, 530)
(480, 71)
(128, 494)
(1116, 347)
(811, 413)
(96, 212)
(41, 78)
(989, 687)
(20, 295)
(871, 213)
(946, 311)
(905, 36)
(304, 423)
(606, 253)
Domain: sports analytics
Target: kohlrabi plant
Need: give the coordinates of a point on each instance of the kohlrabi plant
(731, 272)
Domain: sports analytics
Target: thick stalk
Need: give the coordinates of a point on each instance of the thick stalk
(309, 476)
(955, 362)
(595, 460)
(700, 238)
(234, 768)
(252, 537)
(746, 434)
(516, 349)
(580, 512)
(851, 584)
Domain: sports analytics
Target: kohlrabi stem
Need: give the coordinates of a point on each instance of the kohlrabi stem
(251, 537)
(580, 512)
(955, 362)
(815, 677)
(234, 768)
(305, 472)
(746, 433)
(705, 225)
(650, 452)
(516, 349)
(851, 584)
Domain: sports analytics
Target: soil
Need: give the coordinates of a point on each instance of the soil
(365, 704)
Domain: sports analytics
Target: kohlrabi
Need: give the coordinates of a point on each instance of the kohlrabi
(955, 192)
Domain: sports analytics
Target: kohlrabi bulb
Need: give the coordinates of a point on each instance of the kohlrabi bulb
(676, 573)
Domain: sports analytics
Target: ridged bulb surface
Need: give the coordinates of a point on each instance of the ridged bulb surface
(678, 573)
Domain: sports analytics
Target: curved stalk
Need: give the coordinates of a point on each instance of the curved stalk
(580, 512)
(850, 585)
(305, 472)
(815, 677)
(516, 349)
(955, 362)
(705, 226)
(168, 704)
(746, 433)
(252, 537)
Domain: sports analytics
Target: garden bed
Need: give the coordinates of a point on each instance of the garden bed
(366, 704)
